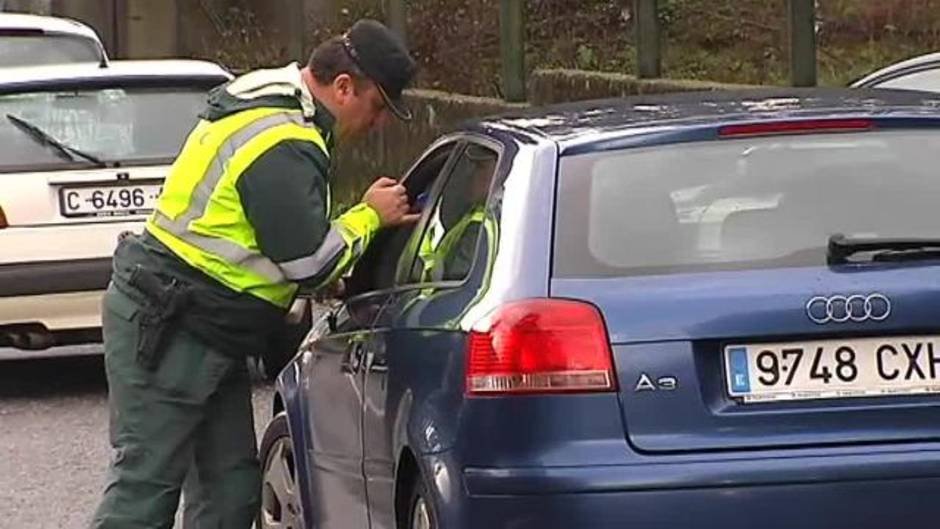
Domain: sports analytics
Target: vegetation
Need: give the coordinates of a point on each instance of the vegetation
(741, 41)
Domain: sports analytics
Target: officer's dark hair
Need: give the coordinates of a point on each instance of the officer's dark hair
(330, 59)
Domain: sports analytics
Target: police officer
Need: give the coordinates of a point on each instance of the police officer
(241, 224)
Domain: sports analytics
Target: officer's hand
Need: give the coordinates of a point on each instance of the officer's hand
(335, 290)
(388, 198)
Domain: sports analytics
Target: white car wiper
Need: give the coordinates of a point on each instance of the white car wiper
(44, 138)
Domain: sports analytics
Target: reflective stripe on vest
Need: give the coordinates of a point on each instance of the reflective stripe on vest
(437, 247)
(202, 220)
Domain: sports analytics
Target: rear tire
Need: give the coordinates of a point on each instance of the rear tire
(421, 513)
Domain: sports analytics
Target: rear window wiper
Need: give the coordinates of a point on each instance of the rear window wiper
(44, 138)
(840, 248)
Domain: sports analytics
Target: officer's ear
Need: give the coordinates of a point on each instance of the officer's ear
(344, 87)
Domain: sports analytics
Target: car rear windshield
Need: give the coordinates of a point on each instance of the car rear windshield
(743, 203)
(36, 50)
(124, 125)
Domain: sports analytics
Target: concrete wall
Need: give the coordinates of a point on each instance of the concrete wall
(172, 28)
(40, 7)
(226, 32)
(279, 31)
(558, 86)
(128, 28)
(391, 151)
(150, 29)
(99, 14)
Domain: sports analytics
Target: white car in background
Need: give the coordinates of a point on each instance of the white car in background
(919, 73)
(83, 153)
(33, 40)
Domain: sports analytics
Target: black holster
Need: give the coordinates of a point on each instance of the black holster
(165, 299)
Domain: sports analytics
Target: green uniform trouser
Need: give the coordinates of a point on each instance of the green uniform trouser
(194, 408)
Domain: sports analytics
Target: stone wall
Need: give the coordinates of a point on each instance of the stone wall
(390, 151)
(40, 7)
(559, 86)
(223, 30)
(150, 29)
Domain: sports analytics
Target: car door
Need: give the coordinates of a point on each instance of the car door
(333, 376)
(394, 358)
(332, 387)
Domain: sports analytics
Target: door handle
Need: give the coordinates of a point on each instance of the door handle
(373, 366)
(352, 359)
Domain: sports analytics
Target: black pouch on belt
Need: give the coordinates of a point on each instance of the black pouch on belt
(166, 299)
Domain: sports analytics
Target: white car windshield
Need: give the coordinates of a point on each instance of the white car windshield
(34, 50)
(43, 130)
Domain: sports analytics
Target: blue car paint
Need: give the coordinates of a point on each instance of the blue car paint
(565, 461)
(842, 505)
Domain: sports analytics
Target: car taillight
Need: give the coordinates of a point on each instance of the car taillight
(540, 346)
(806, 126)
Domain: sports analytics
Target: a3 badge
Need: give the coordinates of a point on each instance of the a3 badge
(647, 383)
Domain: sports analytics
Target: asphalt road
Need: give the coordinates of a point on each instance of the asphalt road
(53, 436)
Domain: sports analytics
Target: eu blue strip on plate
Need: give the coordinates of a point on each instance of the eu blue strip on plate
(740, 379)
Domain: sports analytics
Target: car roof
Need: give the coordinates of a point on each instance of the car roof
(47, 24)
(588, 121)
(922, 62)
(33, 77)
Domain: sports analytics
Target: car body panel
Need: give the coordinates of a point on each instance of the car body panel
(164, 71)
(62, 311)
(31, 244)
(47, 24)
(613, 459)
(595, 121)
(336, 451)
(855, 504)
(819, 466)
(675, 327)
(24, 209)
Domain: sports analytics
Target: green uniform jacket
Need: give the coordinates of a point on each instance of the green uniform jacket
(284, 194)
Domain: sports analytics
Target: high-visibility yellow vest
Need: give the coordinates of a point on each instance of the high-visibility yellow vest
(199, 215)
(438, 244)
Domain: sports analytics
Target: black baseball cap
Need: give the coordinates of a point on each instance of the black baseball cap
(383, 57)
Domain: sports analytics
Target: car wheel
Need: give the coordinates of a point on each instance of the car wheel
(285, 345)
(280, 498)
(421, 513)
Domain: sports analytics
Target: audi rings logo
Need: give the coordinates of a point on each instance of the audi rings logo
(840, 309)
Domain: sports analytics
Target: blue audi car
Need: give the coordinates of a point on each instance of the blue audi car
(711, 310)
